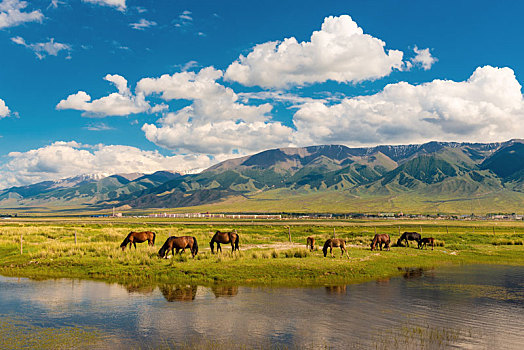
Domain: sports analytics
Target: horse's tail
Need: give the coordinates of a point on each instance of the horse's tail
(125, 242)
(212, 245)
(326, 245)
(236, 241)
(154, 236)
(194, 250)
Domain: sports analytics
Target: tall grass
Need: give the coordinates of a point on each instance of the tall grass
(265, 254)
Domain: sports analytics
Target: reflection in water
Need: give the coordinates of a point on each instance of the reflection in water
(177, 292)
(224, 291)
(415, 272)
(138, 288)
(426, 309)
(334, 290)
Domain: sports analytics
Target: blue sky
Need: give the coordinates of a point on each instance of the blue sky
(111, 86)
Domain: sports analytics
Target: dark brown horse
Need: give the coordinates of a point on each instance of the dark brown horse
(138, 237)
(380, 239)
(224, 237)
(179, 243)
(424, 241)
(310, 243)
(408, 236)
(335, 242)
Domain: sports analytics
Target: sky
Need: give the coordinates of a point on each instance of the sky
(121, 86)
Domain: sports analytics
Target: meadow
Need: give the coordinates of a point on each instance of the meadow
(266, 256)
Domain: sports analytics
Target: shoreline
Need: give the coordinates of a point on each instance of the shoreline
(309, 271)
(266, 257)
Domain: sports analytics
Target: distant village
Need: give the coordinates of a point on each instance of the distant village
(332, 216)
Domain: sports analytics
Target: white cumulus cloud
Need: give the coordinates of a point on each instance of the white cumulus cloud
(340, 51)
(119, 103)
(4, 110)
(12, 14)
(423, 58)
(41, 50)
(215, 122)
(118, 4)
(67, 159)
(486, 107)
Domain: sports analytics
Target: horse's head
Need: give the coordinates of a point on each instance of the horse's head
(399, 242)
(372, 245)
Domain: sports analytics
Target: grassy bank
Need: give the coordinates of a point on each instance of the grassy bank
(266, 256)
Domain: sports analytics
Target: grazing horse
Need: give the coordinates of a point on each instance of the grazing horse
(310, 243)
(138, 237)
(224, 237)
(424, 241)
(380, 239)
(179, 243)
(408, 236)
(335, 242)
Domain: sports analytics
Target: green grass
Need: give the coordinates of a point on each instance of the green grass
(266, 257)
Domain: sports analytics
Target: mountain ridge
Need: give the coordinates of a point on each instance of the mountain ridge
(447, 170)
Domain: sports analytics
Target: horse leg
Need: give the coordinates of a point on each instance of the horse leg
(219, 247)
(134, 243)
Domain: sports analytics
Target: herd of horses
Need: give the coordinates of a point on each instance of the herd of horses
(180, 244)
(383, 239)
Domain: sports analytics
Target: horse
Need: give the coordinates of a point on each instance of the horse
(424, 241)
(380, 239)
(179, 243)
(335, 242)
(224, 237)
(408, 236)
(310, 243)
(138, 237)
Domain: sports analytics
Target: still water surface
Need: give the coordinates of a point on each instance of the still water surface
(477, 307)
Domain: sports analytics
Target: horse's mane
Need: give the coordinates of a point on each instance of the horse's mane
(126, 240)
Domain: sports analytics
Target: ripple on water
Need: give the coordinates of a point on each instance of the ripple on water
(464, 307)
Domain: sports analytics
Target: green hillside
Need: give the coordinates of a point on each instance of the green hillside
(434, 177)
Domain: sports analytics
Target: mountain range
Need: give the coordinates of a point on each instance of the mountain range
(430, 177)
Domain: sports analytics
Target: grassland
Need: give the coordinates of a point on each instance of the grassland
(266, 257)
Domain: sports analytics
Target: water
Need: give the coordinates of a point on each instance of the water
(473, 307)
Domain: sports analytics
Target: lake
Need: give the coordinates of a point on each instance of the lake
(471, 307)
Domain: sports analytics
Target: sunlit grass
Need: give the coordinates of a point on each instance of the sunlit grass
(266, 256)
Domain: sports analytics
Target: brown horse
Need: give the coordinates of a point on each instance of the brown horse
(335, 242)
(424, 241)
(138, 237)
(224, 237)
(179, 243)
(380, 239)
(310, 243)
